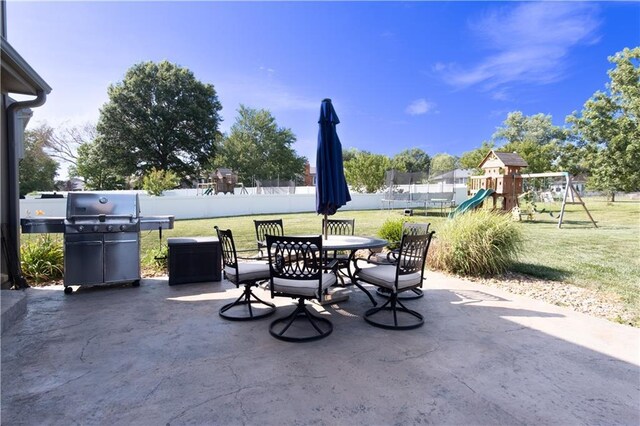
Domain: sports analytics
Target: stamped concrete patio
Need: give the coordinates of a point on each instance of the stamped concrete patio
(161, 355)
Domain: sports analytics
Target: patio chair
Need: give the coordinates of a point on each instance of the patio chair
(248, 273)
(391, 257)
(264, 227)
(298, 271)
(340, 227)
(405, 275)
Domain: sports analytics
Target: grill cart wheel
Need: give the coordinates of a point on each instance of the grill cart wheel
(68, 290)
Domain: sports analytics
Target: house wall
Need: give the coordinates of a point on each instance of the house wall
(4, 189)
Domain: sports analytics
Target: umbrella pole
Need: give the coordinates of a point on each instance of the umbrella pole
(324, 226)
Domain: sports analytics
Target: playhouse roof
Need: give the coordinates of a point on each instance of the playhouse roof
(502, 159)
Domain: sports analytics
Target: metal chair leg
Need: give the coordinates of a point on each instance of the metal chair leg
(322, 327)
(245, 300)
(393, 306)
(415, 293)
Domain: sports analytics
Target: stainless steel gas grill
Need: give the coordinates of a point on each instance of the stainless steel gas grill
(101, 237)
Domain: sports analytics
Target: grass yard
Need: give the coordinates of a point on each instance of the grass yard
(606, 259)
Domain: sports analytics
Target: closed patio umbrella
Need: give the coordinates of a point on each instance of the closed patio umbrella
(331, 186)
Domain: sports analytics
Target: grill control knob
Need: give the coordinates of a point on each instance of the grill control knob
(110, 228)
(122, 227)
(80, 228)
(95, 228)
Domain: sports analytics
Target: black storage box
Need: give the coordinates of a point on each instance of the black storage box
(193, 260)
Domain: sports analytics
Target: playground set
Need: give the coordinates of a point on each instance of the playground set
(502, 181)
(221, 180)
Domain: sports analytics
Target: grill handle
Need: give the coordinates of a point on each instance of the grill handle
(102, 217)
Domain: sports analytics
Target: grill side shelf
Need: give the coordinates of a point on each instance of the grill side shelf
(152, 223)
(42, 225)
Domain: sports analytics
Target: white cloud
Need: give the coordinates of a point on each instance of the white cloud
(419, 107)
(531, 43)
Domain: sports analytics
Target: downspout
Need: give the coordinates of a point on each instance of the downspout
(13, 214)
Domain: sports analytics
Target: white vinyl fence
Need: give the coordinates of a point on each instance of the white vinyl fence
(198, 207)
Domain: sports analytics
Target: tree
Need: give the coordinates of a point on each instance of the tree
(36, 171)
(411, 160)
(62, 143)
(257, 148)
(534, 138)
(608, 128)
(472, 159)
(365, 171)
(158, 181)
(96, 169)
(442, 163)
(159, 116)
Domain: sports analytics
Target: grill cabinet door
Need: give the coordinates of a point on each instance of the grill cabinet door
(83, 259)
(121, 257)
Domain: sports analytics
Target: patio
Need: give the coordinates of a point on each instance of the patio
(161, 355)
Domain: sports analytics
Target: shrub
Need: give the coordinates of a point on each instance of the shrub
(156, 259)
(479, 243)
(42, 259)
(391, 230)
(158, 181)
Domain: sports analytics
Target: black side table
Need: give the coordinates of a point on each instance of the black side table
(193, 260)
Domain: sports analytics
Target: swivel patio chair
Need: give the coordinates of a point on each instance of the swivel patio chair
(264, 227)
(391, 257)
(298, 271)
(407, 274)
(339, 227)
(248, 273)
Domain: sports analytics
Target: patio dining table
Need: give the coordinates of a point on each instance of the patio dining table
(353, 243)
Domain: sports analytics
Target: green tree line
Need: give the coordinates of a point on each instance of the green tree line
(161, 118)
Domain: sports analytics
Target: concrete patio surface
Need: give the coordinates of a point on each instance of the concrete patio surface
(160, 355)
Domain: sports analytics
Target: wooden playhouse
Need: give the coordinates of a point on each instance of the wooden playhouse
(502, 174)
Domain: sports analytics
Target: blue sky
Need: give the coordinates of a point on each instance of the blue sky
(440, 76)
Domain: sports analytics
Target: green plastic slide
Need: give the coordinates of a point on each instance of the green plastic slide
(472, 202)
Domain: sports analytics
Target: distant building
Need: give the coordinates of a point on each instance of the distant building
(559, 184)
(456, 177)
(309, 175)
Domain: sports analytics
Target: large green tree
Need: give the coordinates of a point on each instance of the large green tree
(535, 138)
(411, 160)
(37, 171)
(472, 159)
(365, 171)
(96, 169)
(160, 116)
(442, 163)
(258, 148)
(608, 128)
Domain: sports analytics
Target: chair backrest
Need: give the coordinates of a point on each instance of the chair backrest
(413, 254)
(339, 226)
(268, 227)
(229, 256)
(412, 228)
(295, 258)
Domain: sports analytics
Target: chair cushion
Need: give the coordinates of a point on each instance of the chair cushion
(248, 271)
(305, 288)
(385, 276)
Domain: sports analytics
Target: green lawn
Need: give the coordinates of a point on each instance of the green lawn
(606, 259)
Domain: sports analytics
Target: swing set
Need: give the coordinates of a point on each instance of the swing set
(502, 180)
(570, 195)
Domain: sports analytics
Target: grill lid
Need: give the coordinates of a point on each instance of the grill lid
(102, 206)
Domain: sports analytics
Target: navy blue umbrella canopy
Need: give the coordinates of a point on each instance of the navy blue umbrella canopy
(331, 186)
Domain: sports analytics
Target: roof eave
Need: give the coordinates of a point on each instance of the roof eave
(17, 74)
